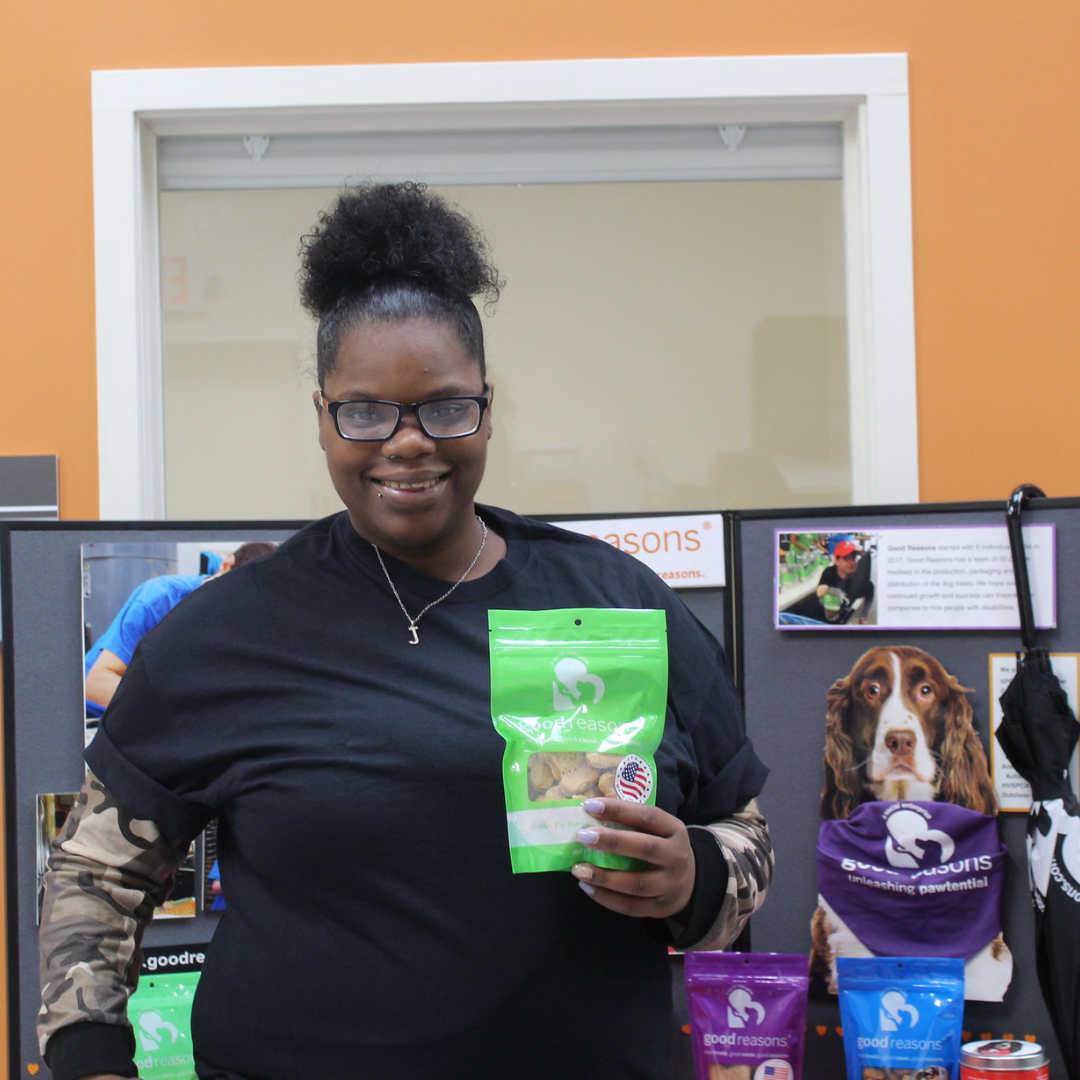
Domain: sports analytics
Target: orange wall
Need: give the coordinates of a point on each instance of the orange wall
(995, 207)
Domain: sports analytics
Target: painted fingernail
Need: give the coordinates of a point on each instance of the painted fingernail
(582, 870)
(587, 836)
(593, 806)
(585, 887)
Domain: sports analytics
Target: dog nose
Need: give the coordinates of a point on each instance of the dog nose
(900, 743)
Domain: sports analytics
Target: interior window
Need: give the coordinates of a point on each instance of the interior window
(673, 345)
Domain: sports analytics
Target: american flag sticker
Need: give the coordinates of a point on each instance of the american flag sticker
(773, 1070)
(633, 779)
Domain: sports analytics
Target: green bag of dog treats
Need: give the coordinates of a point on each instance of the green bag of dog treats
(580, 696)
(160, 1013)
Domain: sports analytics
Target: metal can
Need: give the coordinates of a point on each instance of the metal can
(1003, 1059)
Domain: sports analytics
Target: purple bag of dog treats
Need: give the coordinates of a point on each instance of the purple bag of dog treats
(747, 1014)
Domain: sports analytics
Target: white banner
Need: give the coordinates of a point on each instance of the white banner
(951, 577)
(686, 550)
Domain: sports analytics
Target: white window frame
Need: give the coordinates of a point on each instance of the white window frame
(868, 94)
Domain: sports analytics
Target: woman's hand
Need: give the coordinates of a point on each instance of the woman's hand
(662, 889)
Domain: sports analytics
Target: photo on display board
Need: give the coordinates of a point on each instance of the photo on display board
(825, 579)
(127, 589)
(213, 898)
(909, 857)
(910, 578)
(52, 812)
(182, 899)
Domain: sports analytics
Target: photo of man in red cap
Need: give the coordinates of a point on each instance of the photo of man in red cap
(842, 590)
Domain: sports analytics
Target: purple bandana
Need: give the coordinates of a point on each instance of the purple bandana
(914, 878)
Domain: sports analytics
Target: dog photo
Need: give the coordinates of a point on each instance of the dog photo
(899, 729)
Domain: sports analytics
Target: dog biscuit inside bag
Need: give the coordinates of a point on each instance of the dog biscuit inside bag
(580, 696)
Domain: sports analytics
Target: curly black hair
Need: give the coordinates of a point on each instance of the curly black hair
(392, 252)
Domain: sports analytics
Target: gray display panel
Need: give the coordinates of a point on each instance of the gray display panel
(44, 723)
(785, 677)
(45, 639)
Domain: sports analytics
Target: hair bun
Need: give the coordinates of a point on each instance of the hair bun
(382, 232)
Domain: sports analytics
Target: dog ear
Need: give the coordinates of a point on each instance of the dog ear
(820, 950)
(965, 776)
(842, 784)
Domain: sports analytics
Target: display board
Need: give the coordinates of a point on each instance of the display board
(786, 672)
(784, 669)
(48, 624)
(45, 722)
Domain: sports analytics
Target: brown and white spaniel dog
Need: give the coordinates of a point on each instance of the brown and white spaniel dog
(899, 726)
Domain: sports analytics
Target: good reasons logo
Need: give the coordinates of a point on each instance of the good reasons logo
(1069, 850)
(895, 1014)
(743, 1009)
(909, 835)
(574, 686)
(1055, 853)
(155, 1029)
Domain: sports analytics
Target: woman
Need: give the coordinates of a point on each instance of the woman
(330, 704)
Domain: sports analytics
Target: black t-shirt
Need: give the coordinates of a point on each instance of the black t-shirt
(374, 928)
(852, 587)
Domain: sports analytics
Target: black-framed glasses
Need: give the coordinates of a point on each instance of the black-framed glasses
(377, 421)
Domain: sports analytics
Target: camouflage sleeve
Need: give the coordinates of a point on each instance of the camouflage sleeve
(747, 850)
(107, 872)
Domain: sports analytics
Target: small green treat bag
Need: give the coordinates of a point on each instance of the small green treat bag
(160, 1013)
(580, 696)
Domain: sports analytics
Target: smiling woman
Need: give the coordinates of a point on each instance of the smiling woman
(302, 692)
(390, 274)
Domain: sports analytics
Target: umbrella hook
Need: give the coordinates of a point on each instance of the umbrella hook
(1013, 509)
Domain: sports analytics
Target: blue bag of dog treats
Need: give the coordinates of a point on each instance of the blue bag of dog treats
(901, 1014)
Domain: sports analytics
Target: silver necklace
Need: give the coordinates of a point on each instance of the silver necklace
(415, 639)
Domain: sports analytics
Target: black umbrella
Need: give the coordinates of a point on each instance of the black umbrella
(1038, 734)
